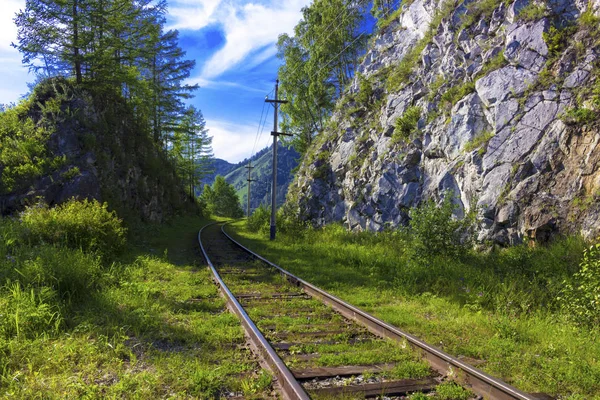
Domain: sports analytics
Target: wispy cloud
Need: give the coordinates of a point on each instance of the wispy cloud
(206, 83)
(248, 29)
(8, 30)
(192, 14)
(234, 142)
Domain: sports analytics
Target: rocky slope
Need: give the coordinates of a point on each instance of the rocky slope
(94, 148)
(493, 102)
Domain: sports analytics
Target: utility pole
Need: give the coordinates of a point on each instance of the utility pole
(275, 134)
(249, 167)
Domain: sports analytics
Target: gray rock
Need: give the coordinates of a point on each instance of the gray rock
(525, 45)
(503, 83)
(514, 9)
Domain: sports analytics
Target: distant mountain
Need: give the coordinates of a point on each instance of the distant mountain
(287, 160)
(220, 167)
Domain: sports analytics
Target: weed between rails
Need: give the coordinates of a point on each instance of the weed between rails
(497, 309)
(151, 326)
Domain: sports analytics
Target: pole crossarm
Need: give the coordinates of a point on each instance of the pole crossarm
(281, 133)
(276, 101)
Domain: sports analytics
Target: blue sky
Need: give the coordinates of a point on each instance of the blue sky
(233, 43)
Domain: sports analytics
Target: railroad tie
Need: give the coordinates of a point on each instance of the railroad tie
(391, 388)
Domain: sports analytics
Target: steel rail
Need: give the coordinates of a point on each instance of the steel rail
(445, 364)
(291, 389)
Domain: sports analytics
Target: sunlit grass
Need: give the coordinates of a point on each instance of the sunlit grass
(497, 308)
(152, 327)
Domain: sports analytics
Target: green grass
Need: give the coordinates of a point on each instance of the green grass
(151, 326)
(499, 307)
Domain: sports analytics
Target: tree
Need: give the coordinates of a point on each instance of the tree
(318, 62)
(221, 199)
(191, 149)
(382, 8)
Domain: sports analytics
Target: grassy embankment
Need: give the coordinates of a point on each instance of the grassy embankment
(501, 309)
(88, 311)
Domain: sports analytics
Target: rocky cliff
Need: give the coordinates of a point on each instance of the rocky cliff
(86, 145)
(493, 102)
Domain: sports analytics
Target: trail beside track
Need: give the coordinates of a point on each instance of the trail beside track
(317, 346)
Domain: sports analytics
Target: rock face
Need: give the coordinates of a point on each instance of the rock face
(105, 156)
(497, 91)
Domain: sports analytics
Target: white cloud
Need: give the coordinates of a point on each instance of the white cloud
(8, 29)
(251, 28)
(234, 142)
(192, 14)
(205, 83)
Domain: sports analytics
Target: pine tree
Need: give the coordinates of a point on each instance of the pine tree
(191, 149)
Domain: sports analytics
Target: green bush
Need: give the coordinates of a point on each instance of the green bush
(259, 220)
(532, 12)
(407, 124)
(436, 231)
(581, 297)
(85, 225)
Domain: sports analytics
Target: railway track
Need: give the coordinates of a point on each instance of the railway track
(319, 347)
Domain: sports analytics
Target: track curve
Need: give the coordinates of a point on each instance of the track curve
(246, 271)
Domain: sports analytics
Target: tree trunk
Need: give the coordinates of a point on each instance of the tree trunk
(76, 56)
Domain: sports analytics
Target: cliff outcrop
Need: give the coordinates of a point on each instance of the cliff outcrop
(496, 103)
(66, 142)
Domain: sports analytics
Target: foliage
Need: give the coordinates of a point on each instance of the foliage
(479, 141)
(435, 230)
(494, 304)
(451, 391)
(365, 91)
(492, 64)
(86, 225)
(580, 116)
(318, 62)
(557, 40)
(143, 322)
(221, 199)
(532, 12)
(286, 222)
(407, 124)
(456, 93)
(191, 149)
(116, 46)
(581, 296)
(259, 220)
(24, 154)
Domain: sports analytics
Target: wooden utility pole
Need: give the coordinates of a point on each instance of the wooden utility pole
(249, 167)
(275, 134)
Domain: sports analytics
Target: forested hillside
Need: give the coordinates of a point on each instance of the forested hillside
(108, 119)
(262, 173)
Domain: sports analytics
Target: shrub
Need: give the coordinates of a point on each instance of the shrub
(85, 225)
(365, 91)
(407, 124)
(580, 116)
(259, 220)
(455, 93)
(478, 141)
(532, 12)
(581, 297)
(436, 231)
